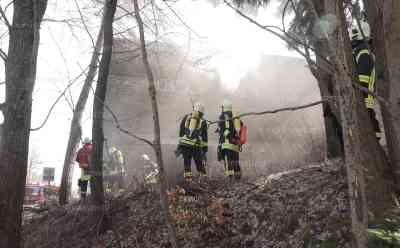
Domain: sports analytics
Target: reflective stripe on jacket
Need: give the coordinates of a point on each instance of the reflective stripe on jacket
(365, 62)
(198, 138)
(85, 176)
(227, 133)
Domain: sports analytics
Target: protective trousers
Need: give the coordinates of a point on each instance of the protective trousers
(83, 182)
(195, 153)
(231, 163)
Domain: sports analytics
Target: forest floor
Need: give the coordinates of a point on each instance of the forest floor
(304, 208)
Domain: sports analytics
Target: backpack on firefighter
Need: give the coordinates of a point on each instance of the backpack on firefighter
(233, 132)
(190, 133)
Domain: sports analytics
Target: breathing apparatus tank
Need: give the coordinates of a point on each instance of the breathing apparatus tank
(194, 119)
(236, 121)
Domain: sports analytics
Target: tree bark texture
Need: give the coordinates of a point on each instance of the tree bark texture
(378, 175)
(389, 11)
(375, 162)
(157, 135)
(20, 81)
(343, 63)
(96, 167)
(333, 130)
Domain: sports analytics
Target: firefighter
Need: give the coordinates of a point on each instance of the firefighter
(116, 168)
(193, 141)
(229, 145)
(83, 158)
(365, 63)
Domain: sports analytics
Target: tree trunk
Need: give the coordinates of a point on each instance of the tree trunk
(333, 131)
(391, 89)
(378, 178)
(20, 81)
(157, 138)
(96, 166)
(355, 156)
(75, 130)
(341, 57)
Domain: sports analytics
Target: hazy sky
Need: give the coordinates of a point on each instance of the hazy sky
(236, 46)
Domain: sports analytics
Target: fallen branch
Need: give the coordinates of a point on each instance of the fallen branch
(273, 111)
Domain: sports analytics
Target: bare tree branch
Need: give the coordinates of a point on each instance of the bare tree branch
(117, 123)
(127, 12)
(3, 55)
(60, 50)
(181, 20)
(288, 40)
(66, 21)
(295, 108)
(4, 17)
(84, 23)
(284, 14)
(8, 5)
(57, 100)
(285, 37)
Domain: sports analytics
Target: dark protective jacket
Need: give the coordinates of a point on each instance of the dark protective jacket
(198, 138)
(365, 62)
(228, 136)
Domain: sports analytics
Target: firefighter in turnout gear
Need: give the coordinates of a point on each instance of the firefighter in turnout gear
(193, 141)
(115, 170)
(365, 63)
(229, 145)
(83, 158)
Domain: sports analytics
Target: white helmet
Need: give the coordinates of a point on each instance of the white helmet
(145, 157)
(355, 33)
(87, 140)
(226, 105)
(198, 106)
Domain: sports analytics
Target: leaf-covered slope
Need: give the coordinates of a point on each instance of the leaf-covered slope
(301, 208)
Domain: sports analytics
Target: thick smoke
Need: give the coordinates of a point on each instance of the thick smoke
(276, 142)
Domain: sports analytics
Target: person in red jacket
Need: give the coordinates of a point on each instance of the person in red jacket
(83, 158)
